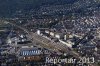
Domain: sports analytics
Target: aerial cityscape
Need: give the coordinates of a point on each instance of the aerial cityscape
(49, 32)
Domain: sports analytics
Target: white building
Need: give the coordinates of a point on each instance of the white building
(57, 36)
(52, 34)
(38, 32)
(69, 44)
(46, 31)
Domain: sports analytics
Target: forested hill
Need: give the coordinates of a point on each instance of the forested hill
(7, 7)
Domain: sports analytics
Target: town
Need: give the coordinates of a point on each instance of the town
(56, 31)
